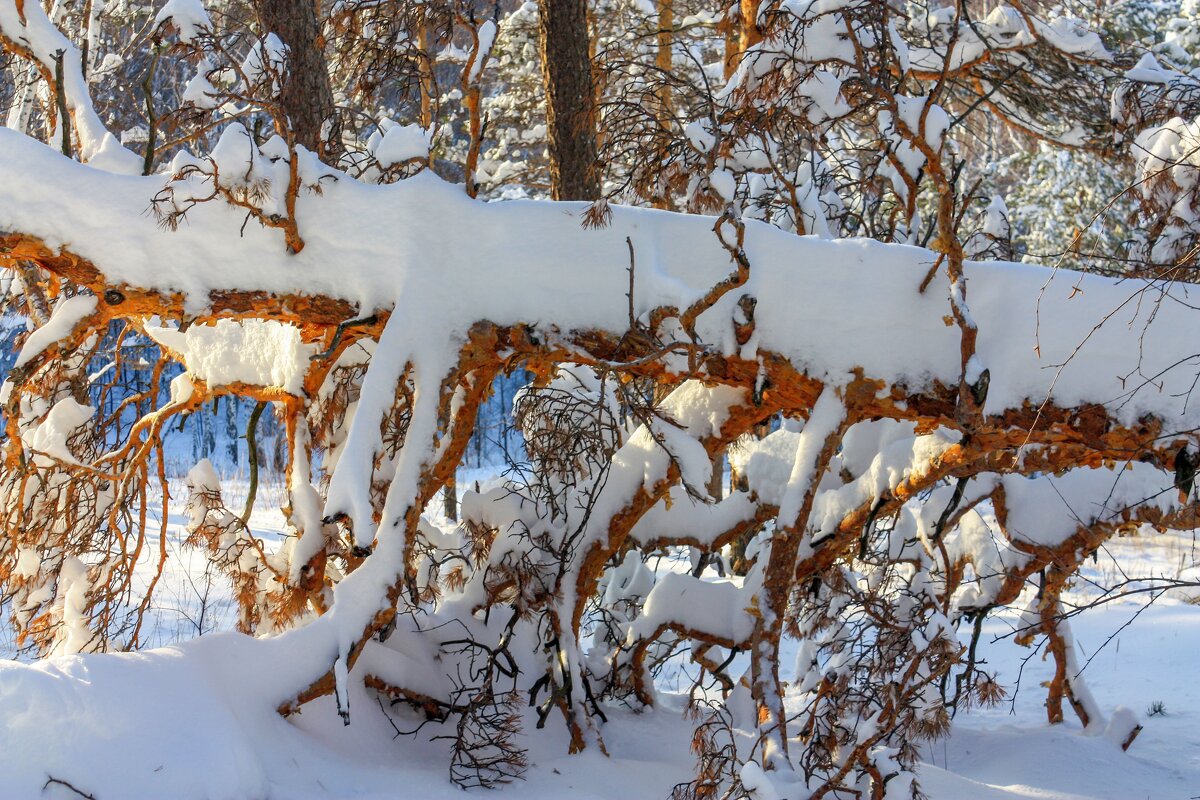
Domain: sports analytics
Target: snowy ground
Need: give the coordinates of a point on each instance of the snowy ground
(154, 725)
(1009, 751)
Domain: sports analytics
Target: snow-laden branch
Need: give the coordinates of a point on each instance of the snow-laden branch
(26, 30)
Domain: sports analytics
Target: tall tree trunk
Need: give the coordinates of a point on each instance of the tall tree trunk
(425, 69)
(662, 59)
(252, 460)
(450, 499)
(729, 28)
(24, 81)
(307, 97)
(750, 35)
(740, 29)
(570, 99)
(663, 62)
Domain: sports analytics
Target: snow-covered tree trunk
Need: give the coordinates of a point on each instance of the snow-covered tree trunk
(306, 97)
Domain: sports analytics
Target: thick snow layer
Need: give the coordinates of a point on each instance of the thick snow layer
(446, 261)
(680, 516)
(182, 723)
(718, 608)
(1047, 509)
(402, 143)
(51, 434)
(254, 352)
(67, 314)
(188, 16)
(893, 464)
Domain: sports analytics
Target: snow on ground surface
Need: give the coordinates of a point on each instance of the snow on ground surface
(187, 720)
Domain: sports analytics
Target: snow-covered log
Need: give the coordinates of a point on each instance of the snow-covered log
(862, 308)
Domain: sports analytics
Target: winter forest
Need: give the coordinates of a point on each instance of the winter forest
(616, 399)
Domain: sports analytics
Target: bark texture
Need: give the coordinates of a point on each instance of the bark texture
(306, 97)
(570, 99)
